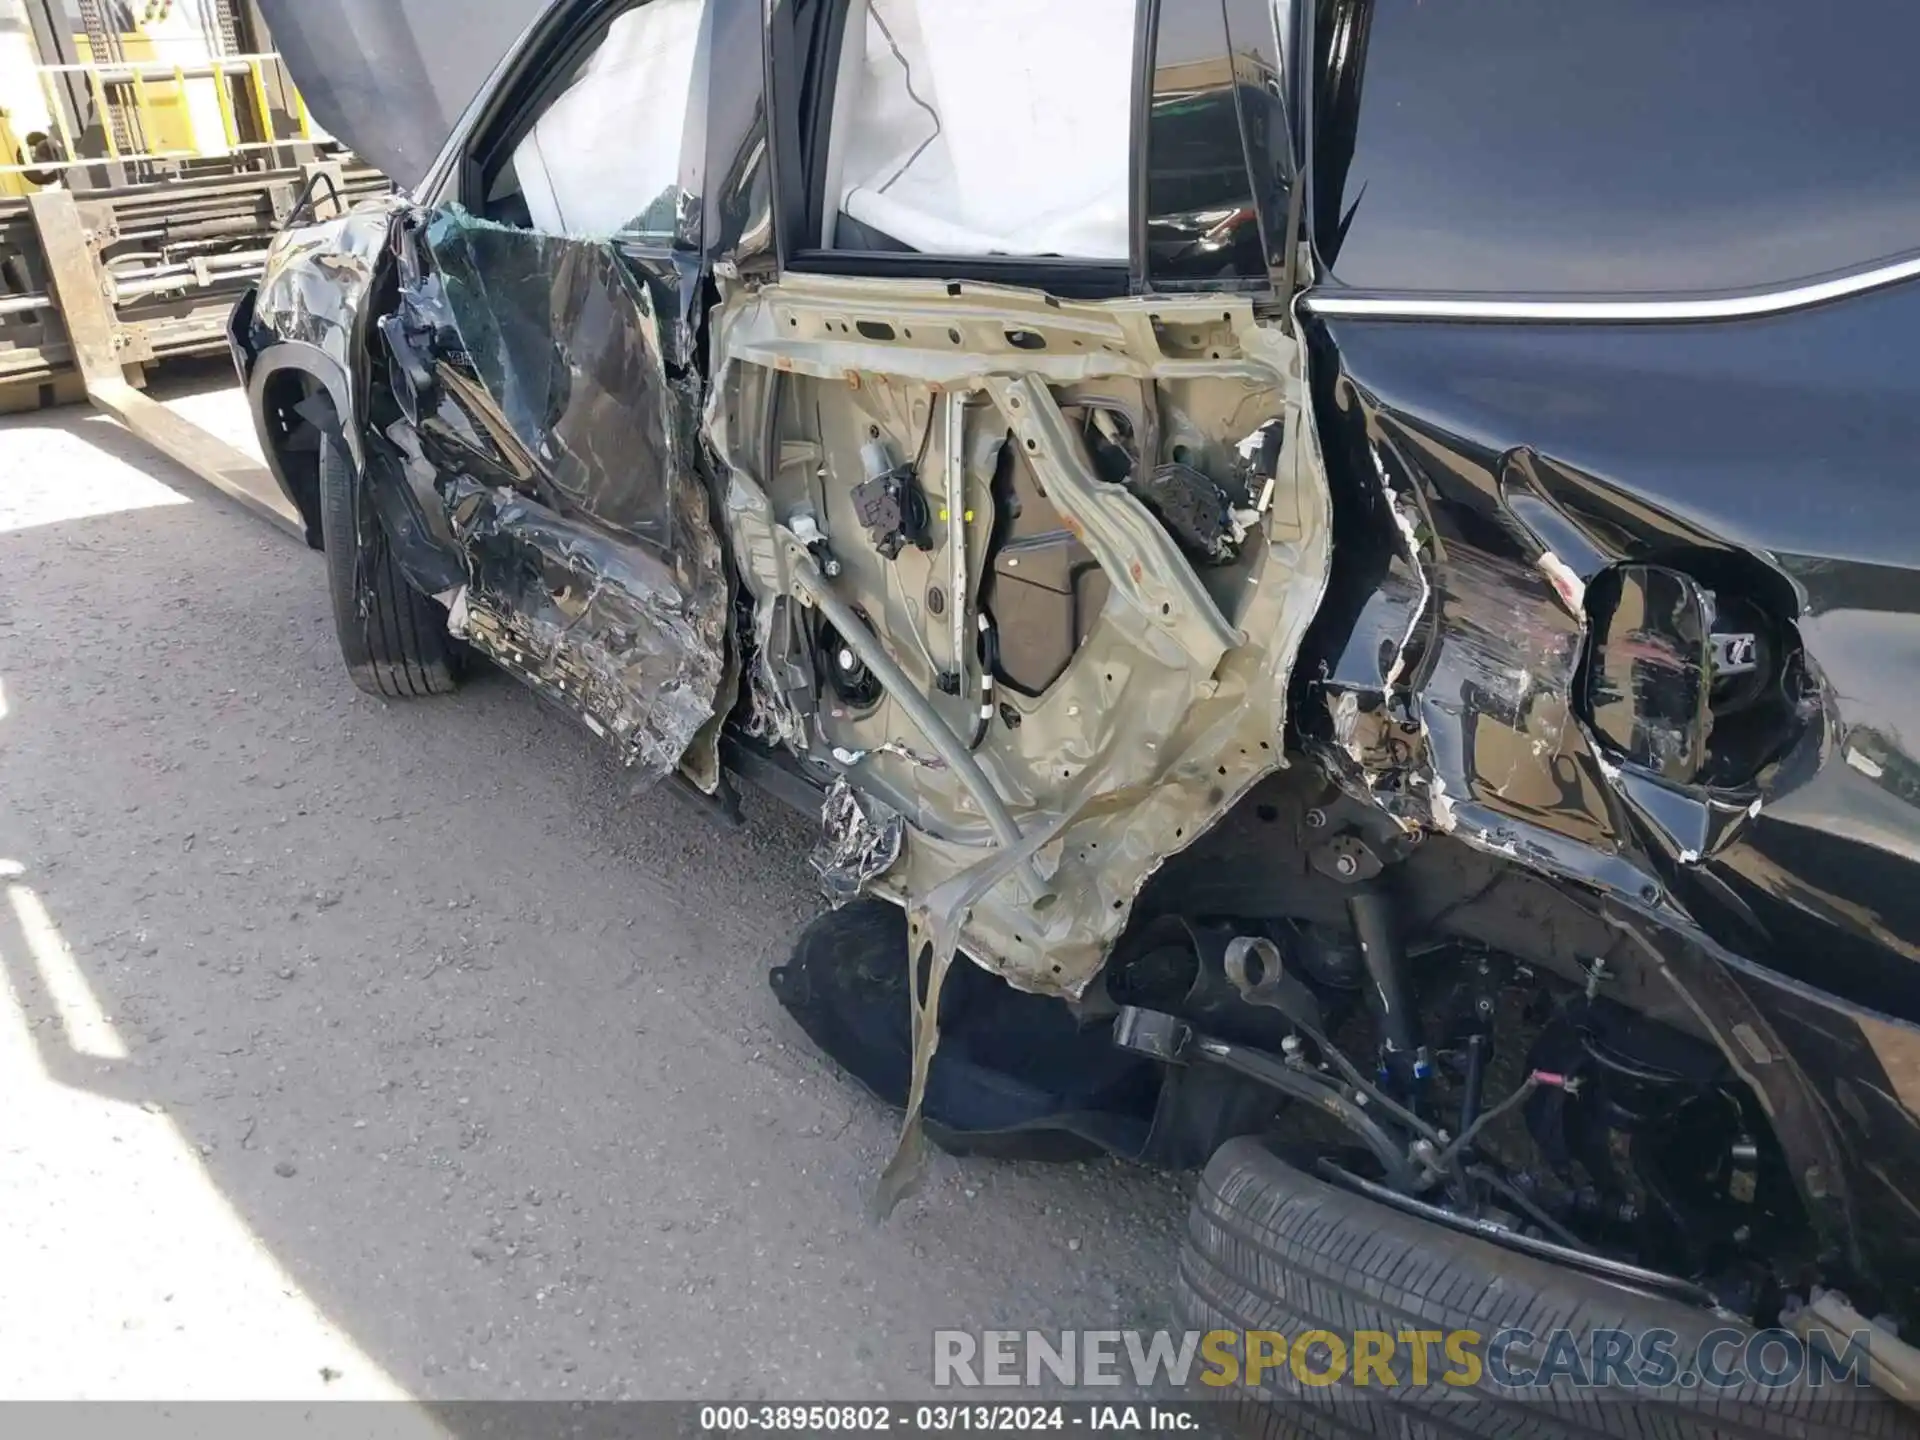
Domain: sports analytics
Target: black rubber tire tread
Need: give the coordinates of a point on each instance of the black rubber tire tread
(393, 638)
(1269, 1247)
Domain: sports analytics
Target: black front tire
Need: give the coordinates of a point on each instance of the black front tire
(393, 638)
(1270, 1248)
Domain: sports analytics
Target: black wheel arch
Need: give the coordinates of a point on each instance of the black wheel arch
(297, 390)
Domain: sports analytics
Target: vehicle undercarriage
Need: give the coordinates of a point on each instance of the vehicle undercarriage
(1430, 1025)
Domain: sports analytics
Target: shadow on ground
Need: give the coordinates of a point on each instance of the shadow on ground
(358, 1048)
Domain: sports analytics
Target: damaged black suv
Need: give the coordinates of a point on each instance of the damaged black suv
(1354, 560)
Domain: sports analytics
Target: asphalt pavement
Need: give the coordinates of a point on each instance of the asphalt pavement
(363, 1049)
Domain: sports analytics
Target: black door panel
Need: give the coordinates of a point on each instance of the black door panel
(561, 453)
(564, 338)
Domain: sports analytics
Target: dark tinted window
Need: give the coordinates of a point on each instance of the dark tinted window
(1203, 220)
(1625, 147)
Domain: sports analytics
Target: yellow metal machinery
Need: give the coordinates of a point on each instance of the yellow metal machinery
(137, 201)
(111, 92)
(148, 102)
(12, 181)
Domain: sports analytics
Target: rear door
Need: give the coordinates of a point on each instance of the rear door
(536, 398)
(1019, 480)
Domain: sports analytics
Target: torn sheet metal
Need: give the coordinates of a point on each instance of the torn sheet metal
(935, 925)
(561, 453)
(1172, 700)
(1451, 702)
(601, 629)
(1453, 661)
(860, 840)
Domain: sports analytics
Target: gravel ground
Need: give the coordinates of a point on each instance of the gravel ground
(364, 1049)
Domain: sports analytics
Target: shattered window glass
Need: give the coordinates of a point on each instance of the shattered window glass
(565, 340)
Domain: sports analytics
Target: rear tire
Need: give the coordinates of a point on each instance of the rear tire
(393, 638)
(1271, 1248)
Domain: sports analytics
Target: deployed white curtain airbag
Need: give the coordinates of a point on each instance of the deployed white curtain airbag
(981, 127)
(606, 150)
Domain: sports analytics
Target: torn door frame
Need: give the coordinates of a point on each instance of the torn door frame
(1169, 711)
(1450, 703)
